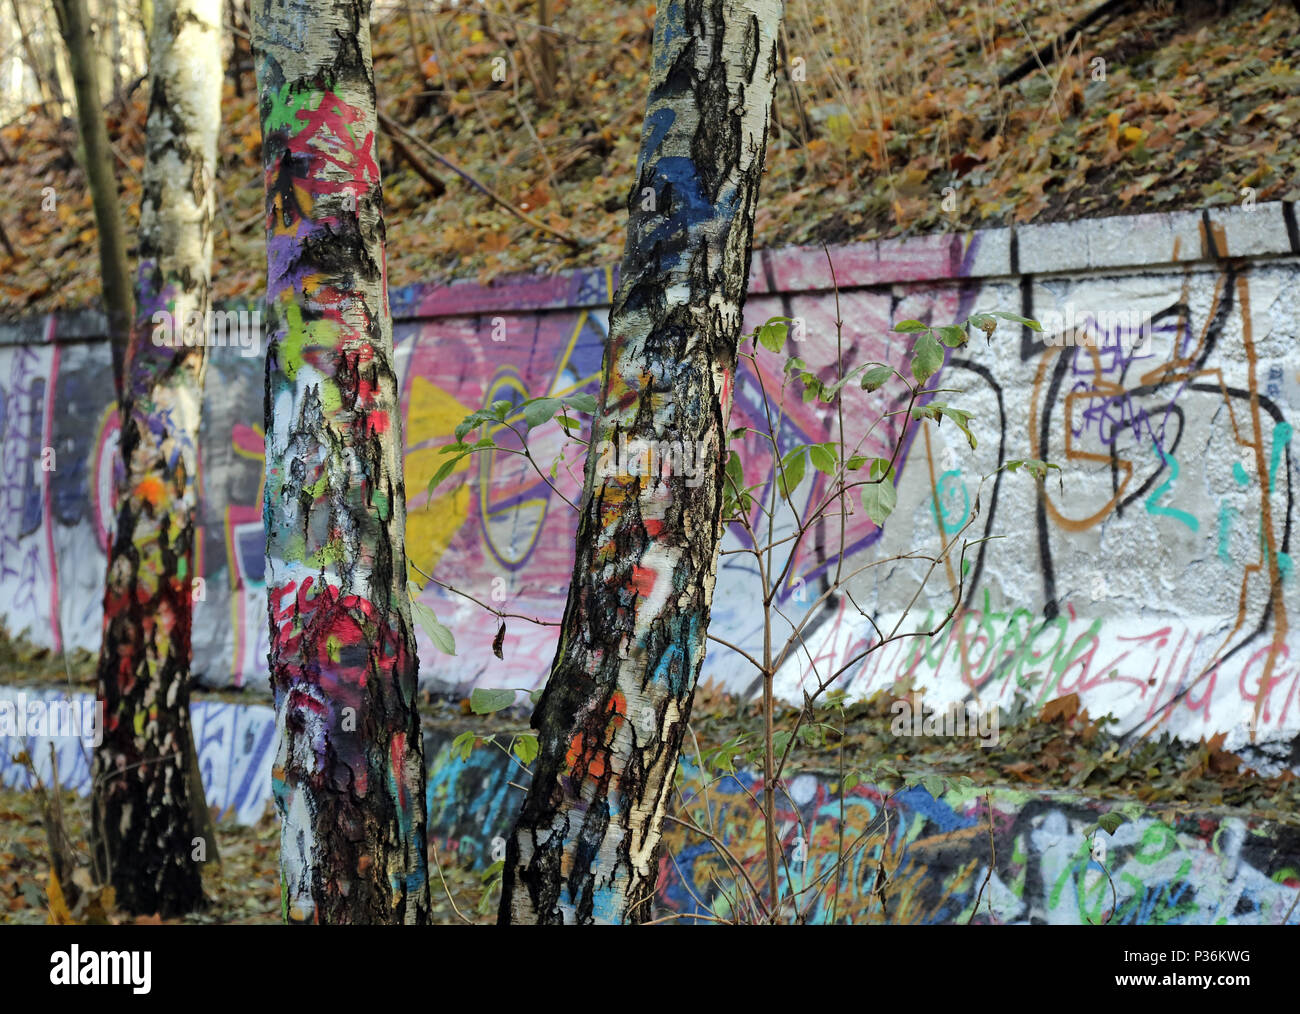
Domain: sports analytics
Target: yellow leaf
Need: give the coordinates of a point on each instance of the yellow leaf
(59, 914)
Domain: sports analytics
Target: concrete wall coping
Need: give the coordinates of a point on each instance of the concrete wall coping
(1124, 242)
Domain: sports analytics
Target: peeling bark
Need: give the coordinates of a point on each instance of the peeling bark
(614, 711)
(349, 769)
(147, 807)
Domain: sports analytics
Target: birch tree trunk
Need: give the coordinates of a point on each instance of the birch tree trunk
(114, 274)
(148, 813)
(614, 710)
(349, 770)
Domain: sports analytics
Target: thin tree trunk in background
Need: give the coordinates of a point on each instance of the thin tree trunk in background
(348, 775)
(42, 86)
(55, 55)
(149, 807)
(236, 69)
(614, 711)
(117, 49)
(114, 273)
(104, 65)
(546, 50)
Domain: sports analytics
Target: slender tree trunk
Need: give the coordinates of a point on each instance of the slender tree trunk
(236, 70)
(101, 43)
(349, 770)
(38, 73)
(149, 809)
(614, 711)
(55, 55)
(546, 51)
(114, 273)
(116, 48)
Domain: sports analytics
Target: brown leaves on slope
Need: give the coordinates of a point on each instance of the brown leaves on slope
(888, 120)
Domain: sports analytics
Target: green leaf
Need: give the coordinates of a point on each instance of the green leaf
(855, 462)
(472, 422)
(1034, 466)
(812, 386)
(791, 472)
(910, 327)
(540, 411)
(952, 335)
(933, 785)
(735, 473)
(886, 769)
(526, 749)
(567, 423)
(881, 468)
(877, 378)
(1033, 325)
(879, 500)
(581, 403)
(772, 335)
(937, 410)
(927, 358)
(463, 745)
(444, 470)
(1110, 822)
(485, 702)
(440, 635)
(822, 457)
(491, 879)
(985, 323)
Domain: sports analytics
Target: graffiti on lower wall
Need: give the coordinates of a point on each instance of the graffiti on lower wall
(1187, 867)
(234, 743)
(1158, 582)
(932, 861)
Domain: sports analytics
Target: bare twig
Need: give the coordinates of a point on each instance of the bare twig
(391, 125)
(993, 859)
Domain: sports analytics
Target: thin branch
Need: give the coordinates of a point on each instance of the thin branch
(391, 125)
(498, 613)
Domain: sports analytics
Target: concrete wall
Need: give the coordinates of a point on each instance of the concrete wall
(1159, 584)
(1177, 866)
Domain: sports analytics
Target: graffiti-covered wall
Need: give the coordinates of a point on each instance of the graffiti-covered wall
(942, 859)
(1157, 581)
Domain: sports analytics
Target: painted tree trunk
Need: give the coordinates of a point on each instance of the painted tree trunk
(146, 813)
(614, 711)
(114, 272)
(348, 776)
